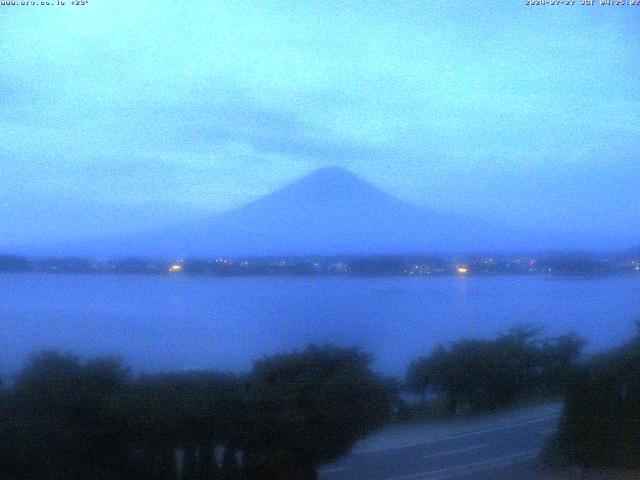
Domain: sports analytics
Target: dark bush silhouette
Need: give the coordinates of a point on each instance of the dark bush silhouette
(601, 419)
(64, 419)
(190, 413)
(478, 375)
(309, 408)
(56, 419)
(558, 359)
(67, 419)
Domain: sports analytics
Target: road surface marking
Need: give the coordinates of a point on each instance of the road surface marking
(540, 418)
(333, 470)
(495, 462)
(451, 452)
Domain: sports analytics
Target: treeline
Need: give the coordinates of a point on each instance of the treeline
(480, 375)
(63, 418)
(601, 420)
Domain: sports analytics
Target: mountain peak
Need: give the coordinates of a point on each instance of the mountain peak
(332, 172)
(331, 183)
(329, 211)
(332, 175)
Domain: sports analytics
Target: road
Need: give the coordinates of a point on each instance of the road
(496, 447)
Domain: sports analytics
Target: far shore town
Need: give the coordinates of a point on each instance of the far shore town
(346, 265)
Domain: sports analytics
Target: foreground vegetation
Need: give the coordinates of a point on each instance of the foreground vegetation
(481, 375)
(601, 422)
(66, 419)
(600, 425)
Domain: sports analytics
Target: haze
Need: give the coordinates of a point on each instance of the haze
(119, 116)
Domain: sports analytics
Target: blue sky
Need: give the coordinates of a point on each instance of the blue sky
(120, 115)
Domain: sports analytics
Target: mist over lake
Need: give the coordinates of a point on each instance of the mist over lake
(174, 323)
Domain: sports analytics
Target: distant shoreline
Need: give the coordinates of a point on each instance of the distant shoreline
(335, 266)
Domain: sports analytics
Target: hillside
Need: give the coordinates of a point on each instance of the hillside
(330, 211)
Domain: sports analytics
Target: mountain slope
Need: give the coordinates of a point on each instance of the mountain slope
(330, 211)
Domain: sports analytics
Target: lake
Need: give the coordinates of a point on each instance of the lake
(175, 323)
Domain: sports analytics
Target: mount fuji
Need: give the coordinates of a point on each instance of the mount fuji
(330, 211)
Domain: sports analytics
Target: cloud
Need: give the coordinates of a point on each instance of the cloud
(133, 104)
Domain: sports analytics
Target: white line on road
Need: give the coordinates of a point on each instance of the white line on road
(495, 462)
(333, 470)
(454, 436)
(459, 450)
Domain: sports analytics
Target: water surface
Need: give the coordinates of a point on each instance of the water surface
(162, 322)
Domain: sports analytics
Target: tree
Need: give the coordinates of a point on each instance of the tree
(57, 410)
(559, 358)
(189, 412)
(417, 378)
(476, 375)
(600, 425)
(308, 408)
(426, 373)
